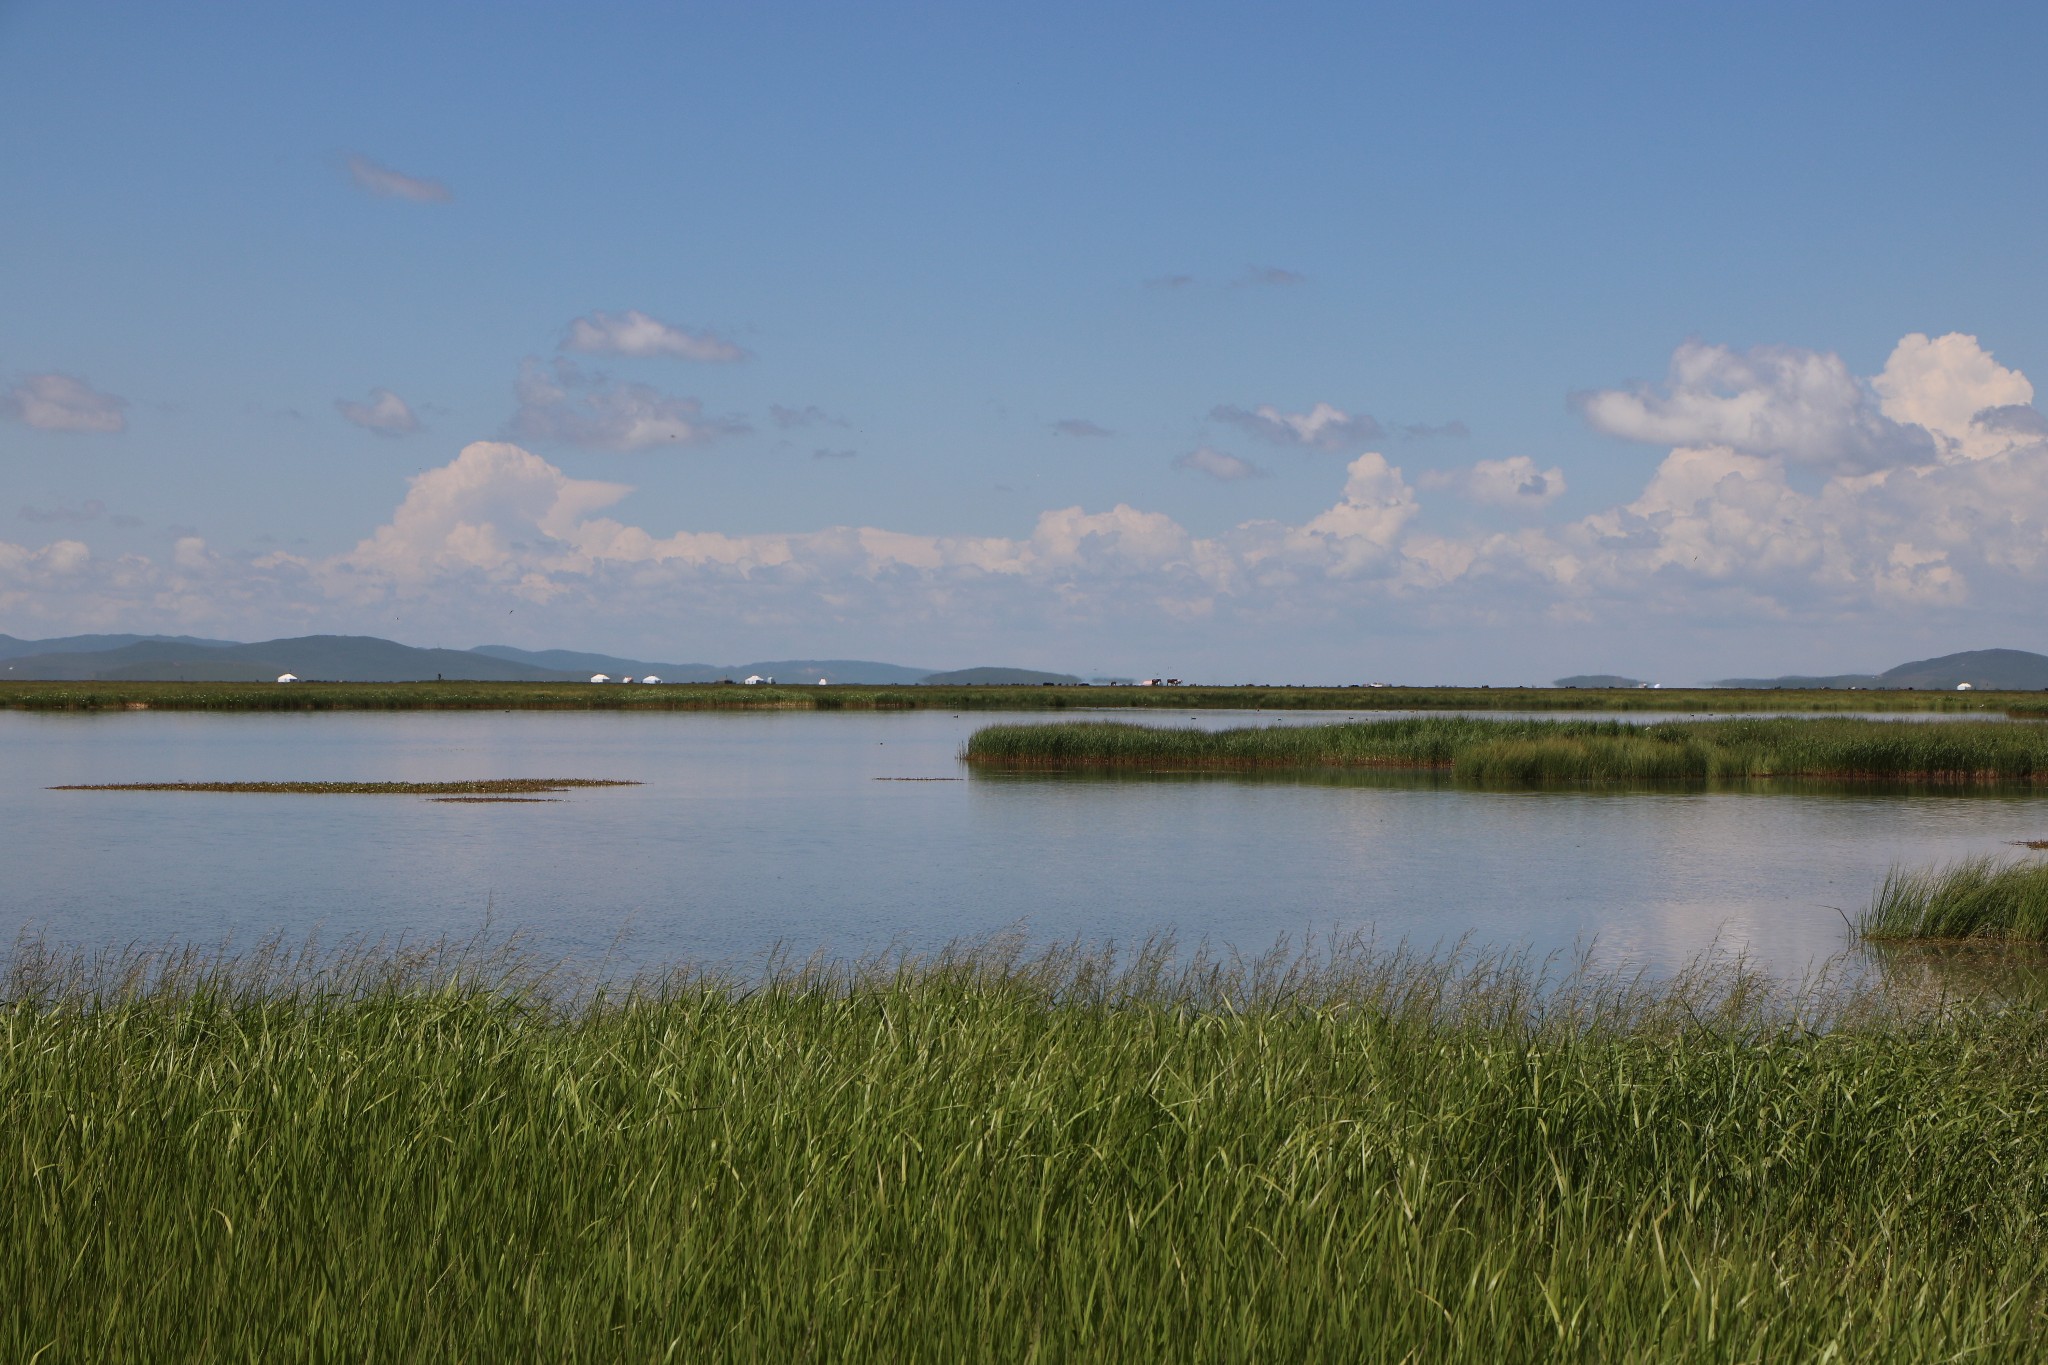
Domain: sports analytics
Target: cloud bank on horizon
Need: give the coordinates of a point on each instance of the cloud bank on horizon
(1790, 491)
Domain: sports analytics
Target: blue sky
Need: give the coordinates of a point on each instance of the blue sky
(942, 334)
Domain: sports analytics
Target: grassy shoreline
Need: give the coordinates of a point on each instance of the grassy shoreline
(1522, 753)
(993, 1155)
(486, 696)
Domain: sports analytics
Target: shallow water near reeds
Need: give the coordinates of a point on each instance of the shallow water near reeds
(760, 829)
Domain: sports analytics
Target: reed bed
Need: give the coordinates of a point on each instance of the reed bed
(1974, 898)
(1520, 753)
(990, 1153)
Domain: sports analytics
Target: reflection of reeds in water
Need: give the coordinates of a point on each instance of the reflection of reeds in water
(1975, 898)
(1521, 753)
(451, 1152)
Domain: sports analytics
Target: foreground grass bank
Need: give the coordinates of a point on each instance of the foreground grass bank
(497, 696)
(1511, 753)
(989, 1157)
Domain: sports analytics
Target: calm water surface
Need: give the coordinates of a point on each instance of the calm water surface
(759, 828)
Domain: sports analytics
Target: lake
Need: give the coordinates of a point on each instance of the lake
(759, 828)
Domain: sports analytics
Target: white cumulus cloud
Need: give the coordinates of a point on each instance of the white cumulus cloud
(635, 333)
(62, 402)
(1513, 482)
(1721, 536)
(1217, 464)
(386, 413)
(563, 403)
(1324, 427)
(1797, 404)
(1945, 384)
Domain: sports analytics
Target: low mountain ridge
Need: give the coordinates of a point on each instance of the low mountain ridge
(335, 658)
(367, 658)
(12, 648)
(2001, 670)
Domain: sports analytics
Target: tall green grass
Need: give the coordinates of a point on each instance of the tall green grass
(997, 1155)
(1974, 898)
(1537, 752)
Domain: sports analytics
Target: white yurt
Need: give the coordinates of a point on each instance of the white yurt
(287, 677)
(600, 677)
(650, 678)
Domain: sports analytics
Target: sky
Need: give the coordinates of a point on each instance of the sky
(1277, 342)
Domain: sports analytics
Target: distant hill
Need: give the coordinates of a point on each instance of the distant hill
(838, 671)
(996, 677)
(2013, 670)
(365, 658)
(575, 662)
(1598, 680)
(11, 648)
(335, 658)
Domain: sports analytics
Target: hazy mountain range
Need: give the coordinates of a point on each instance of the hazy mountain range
(2010, 670)
(365, 658)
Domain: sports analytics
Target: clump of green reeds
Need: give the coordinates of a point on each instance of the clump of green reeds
(1537, 752)
(994, 1153)
(1974, 898)
(1410, 742)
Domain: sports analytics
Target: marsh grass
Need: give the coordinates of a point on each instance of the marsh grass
(443, 1152)
(1974, 898)
(1527, 753)
(481, 789)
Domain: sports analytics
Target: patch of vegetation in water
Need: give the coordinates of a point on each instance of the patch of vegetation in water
(1974, 898)
(1535, 753)
(480, 789)
(991, 1154)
